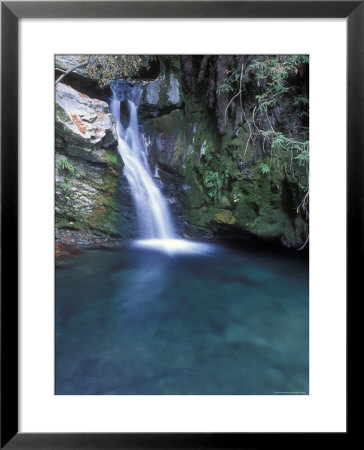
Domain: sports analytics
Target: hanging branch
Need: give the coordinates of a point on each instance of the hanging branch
(71, 69)
(304, 245)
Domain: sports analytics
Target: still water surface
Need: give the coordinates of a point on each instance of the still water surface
(212, 320)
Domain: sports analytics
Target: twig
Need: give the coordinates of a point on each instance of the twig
(247, 142)
(304, 245)
(226, 109)
(71, 69)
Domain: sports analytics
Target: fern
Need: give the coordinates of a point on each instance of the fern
(225, 87)
(65, 165)
(213, 182)
(66, 187)
(264, 168)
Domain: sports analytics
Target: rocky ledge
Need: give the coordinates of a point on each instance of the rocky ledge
(92, 205)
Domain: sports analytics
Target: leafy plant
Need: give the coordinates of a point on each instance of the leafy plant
(66, 187)
(207, 154)
(274, 72)
(303, 155)
(274, 90)
(224, 87)
(213, 182)
(65, 165)
(236, 197)
(264, 168)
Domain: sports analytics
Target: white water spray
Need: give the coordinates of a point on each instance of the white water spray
(153, 215)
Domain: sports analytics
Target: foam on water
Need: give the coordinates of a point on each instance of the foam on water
(175, 246)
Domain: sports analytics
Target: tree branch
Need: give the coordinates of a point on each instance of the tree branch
(71, 69)
(304, 245)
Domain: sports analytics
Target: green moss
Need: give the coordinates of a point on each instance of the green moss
(61, 115)
(171, 63)
(104, 216)
(225, 217)
(201, 218)
(69, 224)
(163, 93)
(251, 200)
(194, 197)
(112, 158)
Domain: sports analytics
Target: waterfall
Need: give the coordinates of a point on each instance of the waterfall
(155, 222)
(152, 210)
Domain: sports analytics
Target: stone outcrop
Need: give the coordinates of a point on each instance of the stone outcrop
(92, 203)
(64, 62)
(85, 125)
(161, 96)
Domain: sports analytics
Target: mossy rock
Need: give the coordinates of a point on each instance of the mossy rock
(225, 217)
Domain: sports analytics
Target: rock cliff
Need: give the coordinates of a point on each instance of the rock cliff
(215, 181)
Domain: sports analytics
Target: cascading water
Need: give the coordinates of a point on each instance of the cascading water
(153, 215)
(152, 210)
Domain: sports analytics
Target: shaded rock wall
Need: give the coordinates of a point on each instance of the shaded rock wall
(212, 177)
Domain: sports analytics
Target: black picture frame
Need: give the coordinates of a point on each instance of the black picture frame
(11, 12)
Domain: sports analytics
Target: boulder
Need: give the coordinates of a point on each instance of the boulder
(85, 125)
(92, 205)
(65, 62)
(161, 96)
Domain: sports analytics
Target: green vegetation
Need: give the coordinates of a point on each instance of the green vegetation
(274, 110)
(264, 167)
(275, 72)
(113, 67)
(213, 183)
(66, 187)
(207, 153)
(65, 165)
(277, 106)
(106, 68)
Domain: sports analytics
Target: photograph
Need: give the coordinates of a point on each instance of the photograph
(181, 224)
